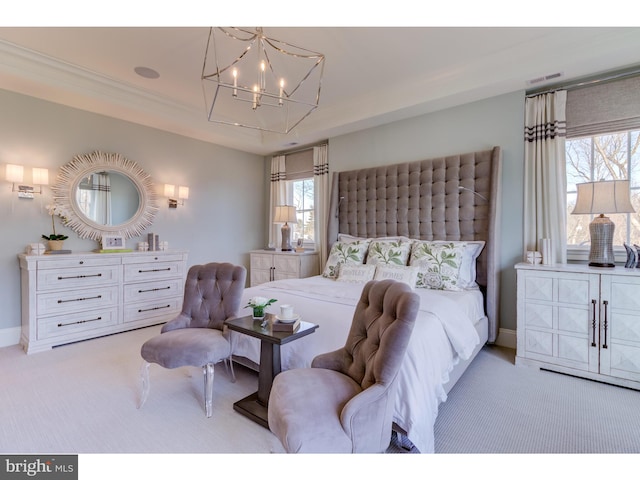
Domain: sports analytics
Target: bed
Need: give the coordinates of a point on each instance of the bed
(447, 205)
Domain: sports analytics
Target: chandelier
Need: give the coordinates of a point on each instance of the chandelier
(253, 81)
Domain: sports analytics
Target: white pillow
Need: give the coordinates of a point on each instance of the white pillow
(353, 273)
(438, 263)
(467, 274)
(404, 274)
(345, 252)
(389, 252)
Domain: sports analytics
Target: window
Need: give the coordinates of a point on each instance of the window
(611, 156)
(301, 194)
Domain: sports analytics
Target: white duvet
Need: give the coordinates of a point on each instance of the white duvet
(444, 333)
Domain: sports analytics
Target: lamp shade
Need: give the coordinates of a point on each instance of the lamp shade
(15, 173)
(40, 176)
(285, 214)
(169, 190)
(183, 193)
(603, 197)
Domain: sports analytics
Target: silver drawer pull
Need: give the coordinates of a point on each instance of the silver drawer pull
(79, 322)
(79, 299)
(154, 308)
(80, 276)
(155, 270)
(154, 289)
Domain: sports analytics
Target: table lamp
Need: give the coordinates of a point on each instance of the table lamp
(600, 198)
(285, 214)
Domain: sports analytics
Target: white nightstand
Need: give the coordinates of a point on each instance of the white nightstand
(580, 320)
(269, 265)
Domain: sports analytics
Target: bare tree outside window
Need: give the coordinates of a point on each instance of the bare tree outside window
(613, 156)
(303, 200)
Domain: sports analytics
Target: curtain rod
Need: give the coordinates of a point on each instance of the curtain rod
(585, 82)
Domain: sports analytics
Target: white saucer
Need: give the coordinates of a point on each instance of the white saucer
(287, 320)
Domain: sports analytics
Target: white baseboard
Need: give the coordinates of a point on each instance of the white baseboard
(9, 336)
(506, 338)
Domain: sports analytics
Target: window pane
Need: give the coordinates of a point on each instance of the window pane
(613, 156)
(303, 200)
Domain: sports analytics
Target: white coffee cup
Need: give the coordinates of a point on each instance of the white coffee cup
(286, 311)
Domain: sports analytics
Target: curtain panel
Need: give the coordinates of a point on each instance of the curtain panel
(321, 200)
(545, 190)
(278, 196)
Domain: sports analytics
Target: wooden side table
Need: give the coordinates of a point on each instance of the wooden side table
(255, 405)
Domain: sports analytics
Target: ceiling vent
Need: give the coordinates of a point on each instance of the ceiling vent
(545, 78)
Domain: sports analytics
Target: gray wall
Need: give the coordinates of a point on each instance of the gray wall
(222, 220)
(225, 215)
(498, 121)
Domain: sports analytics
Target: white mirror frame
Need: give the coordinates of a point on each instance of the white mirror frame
(70, 176)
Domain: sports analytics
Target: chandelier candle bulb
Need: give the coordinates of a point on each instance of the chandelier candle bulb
(255, 97)
(235, 82)
(262, 82)
(281, 91)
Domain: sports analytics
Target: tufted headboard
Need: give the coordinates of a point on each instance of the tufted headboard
(448, 198)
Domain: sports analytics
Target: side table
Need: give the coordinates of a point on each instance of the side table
(255, 405)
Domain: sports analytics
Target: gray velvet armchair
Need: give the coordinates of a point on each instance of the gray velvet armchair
(197, 336)
(345, 401)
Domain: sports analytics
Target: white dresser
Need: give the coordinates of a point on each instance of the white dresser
(267, 265)
(71, 297)
(580, 320)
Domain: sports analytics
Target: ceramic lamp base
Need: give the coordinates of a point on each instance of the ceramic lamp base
(601, 230)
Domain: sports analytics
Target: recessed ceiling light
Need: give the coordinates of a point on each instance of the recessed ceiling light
(146, 72)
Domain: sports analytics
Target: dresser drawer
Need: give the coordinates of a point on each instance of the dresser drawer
(142, 272)
(76, 300)
(141, 292)
(78, 277)
(89, 260)
(76, 323)
(164, 309)
(153, 258)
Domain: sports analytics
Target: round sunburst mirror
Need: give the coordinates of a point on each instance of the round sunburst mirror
(105, 194)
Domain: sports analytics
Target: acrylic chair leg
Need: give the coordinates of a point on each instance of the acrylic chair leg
(230, 367)
(144, 380)
(207, 370)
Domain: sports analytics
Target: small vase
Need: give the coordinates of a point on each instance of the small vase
(56, 244)
(258, 313)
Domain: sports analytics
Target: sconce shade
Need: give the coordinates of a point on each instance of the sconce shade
(14, 173)
(169, 190)
(183, 193)
(600, 198)
(285, 214)
(40, 176)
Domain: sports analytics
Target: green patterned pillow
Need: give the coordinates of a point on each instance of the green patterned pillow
(388, 252)
(438, 263)
(345, 252)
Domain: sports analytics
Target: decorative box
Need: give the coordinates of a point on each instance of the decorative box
(533, 257)
(35, 249)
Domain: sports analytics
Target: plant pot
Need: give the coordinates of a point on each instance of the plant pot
(258, 313)
(56, 244)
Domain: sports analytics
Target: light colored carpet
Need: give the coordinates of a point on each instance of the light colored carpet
(82, 398)
(497, 407)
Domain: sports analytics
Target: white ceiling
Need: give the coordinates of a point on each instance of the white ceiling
(372, 75)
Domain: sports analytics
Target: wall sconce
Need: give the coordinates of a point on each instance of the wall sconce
(170, 193)
(15, 174)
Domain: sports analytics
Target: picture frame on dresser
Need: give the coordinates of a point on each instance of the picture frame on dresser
(112, 242)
